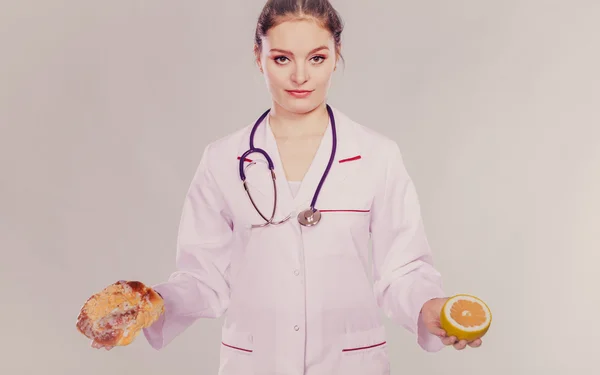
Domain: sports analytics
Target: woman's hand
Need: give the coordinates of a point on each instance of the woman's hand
(430, 313)
(97, 345)
(117, 314)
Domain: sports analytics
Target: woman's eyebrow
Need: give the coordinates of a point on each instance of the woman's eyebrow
(290, 53)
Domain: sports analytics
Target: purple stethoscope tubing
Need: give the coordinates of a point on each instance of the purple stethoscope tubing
(271, 167)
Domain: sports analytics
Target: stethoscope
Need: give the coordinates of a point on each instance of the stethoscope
(309, 217)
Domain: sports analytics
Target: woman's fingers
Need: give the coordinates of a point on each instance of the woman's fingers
(97, 345)
(439, 332)
(460, 345)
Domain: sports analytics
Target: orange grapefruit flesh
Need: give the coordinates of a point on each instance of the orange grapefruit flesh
(466, 317)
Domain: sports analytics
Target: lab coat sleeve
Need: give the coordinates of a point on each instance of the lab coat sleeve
(404, 274)
(199, 286)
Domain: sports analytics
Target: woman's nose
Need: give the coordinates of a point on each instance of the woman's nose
(300, 74)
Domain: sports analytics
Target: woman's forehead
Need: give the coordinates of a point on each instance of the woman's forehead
(298, 36)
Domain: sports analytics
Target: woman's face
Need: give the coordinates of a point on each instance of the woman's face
(298, 59)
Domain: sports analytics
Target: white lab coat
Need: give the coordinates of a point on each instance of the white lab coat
(299, 300)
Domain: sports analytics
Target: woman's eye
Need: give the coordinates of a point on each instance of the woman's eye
(281, 59)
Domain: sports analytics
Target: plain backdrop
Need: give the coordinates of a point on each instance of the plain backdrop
(106, 106)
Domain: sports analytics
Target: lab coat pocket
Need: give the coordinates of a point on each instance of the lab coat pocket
(345, 231)
(236, 352)
(365, 352)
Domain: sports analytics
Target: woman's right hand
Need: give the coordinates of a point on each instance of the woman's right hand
(97, 345)
(112, 317)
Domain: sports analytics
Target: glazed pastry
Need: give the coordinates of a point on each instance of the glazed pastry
(117, 314)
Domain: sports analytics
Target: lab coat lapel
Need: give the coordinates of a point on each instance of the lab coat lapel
(315, 172)
(258, 177)
(346, 161)
(284, 194)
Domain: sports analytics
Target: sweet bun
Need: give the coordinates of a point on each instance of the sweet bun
(117, 314)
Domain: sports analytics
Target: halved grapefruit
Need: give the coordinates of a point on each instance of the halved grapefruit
(466, 317)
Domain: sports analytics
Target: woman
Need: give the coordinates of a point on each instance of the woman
(297, 296)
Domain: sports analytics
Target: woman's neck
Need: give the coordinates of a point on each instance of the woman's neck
(286, 124)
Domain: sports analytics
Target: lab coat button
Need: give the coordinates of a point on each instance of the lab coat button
(296, 272)
(296, 328)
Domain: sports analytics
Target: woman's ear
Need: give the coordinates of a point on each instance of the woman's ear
(257, 58)
(338, 57)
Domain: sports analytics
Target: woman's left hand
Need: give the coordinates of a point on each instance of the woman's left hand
(430, 313)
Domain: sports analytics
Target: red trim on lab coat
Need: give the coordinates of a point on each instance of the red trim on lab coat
(364, 347)
(350, 159)
(345, 210)
(235, 347)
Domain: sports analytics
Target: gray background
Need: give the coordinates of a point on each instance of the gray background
(105, 108)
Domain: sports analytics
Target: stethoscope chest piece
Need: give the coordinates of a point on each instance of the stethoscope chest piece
(309, 217)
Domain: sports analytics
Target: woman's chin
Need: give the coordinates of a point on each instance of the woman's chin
(300, 106)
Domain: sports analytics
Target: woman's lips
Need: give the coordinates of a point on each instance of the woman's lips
(299, 93)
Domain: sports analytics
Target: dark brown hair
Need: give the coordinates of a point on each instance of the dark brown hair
(276, 11)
